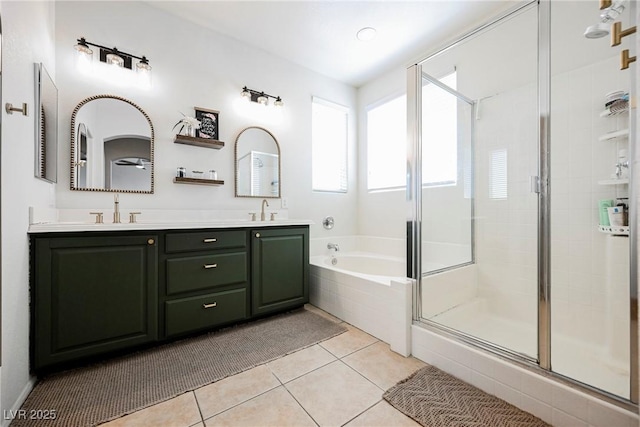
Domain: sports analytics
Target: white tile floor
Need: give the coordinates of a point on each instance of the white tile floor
(338, 382)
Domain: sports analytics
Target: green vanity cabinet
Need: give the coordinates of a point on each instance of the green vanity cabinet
(92, 295)
(99, 292)
(279, 268)
(206, 275)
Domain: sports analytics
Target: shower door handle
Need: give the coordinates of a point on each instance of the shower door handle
(534, 181)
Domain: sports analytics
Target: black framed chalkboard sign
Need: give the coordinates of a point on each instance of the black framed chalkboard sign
(208, 123)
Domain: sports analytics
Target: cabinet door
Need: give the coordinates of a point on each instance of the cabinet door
(280, 269)
(93, 295)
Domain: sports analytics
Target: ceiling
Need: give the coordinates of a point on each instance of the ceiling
(321, 35)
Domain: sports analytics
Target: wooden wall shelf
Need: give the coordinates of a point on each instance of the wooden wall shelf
(199, 142)
(197, 181)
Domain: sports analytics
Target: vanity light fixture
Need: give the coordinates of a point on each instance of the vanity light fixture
(260, 97)
(115, 57)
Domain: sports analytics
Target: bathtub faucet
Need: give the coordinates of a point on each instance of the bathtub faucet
(333, 246)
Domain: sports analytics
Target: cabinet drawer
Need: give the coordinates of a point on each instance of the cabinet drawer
(190, 314)
(205, 271)
(182, 242)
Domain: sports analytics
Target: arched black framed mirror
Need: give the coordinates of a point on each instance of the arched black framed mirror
(112, 146)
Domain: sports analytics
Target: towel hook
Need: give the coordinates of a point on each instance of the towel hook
(10, 109)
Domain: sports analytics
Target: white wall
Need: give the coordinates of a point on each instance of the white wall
(380, 213)
(194, 66)
(27, 33)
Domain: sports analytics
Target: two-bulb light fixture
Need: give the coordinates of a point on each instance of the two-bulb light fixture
(261, 98)
(115, 58)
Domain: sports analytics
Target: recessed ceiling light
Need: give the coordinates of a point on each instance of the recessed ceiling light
(366, 34)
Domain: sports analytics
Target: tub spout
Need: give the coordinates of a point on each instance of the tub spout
(333, 246)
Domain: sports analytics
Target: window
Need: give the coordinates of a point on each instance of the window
(498, 174)
(387, 145)
(439, 133)
(329, 146)
(387, 139)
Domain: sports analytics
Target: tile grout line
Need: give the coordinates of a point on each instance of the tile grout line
(370, 407)
(313, 370)
(300, 405)
(249, 399)
(266, 391)
(376, 385)
(354, 351)
(199, 409)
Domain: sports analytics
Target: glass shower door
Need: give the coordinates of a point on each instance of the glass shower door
(478, 136)
(590, 140)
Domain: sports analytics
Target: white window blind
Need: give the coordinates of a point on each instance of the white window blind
(329, 136)
(498, 174)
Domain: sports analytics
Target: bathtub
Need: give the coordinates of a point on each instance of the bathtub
(371, 266)
(364, 284)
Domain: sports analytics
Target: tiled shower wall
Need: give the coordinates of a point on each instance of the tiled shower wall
(589, 268)
(506, 228)
(590, 281)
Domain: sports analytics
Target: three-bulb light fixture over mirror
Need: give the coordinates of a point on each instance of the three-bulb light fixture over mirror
(261, 98)
(116, 58)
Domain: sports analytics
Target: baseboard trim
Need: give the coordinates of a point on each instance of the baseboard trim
(19, 401)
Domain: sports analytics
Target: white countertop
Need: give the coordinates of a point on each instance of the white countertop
(59, 227)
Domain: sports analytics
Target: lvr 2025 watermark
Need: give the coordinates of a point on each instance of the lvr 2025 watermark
(30, 414)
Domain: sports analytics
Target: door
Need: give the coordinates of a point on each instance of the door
(279, 269)
(474, 148)
(93, 295)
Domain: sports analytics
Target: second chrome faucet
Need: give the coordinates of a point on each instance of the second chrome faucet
(262, 215)
(333, 246)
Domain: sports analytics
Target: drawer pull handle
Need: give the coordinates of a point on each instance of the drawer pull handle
(212, 240)
(213, 304)
(211, 266)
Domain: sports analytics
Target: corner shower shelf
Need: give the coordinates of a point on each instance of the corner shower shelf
(610, 136)
(197, 181)
(620, 181)
(199, 142)
(616, 230)
(618, 107)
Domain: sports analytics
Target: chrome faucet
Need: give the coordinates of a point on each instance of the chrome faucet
(116, 209)
(264, 202)
(333, 246)
(619, 166)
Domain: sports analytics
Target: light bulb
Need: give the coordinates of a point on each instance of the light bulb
(143, 69)
(245, 94)
(114, 59)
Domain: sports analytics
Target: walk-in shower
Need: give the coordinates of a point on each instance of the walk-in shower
(516, 119)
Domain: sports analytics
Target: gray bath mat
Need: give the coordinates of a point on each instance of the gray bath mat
(95, 394)
(434, 398)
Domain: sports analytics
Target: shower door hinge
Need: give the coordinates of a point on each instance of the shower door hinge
(535, 184)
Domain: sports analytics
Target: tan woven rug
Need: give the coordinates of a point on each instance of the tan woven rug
(436, 399)
(97, 393)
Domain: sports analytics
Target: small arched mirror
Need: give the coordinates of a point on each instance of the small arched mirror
(111, 146)
(257, 164)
